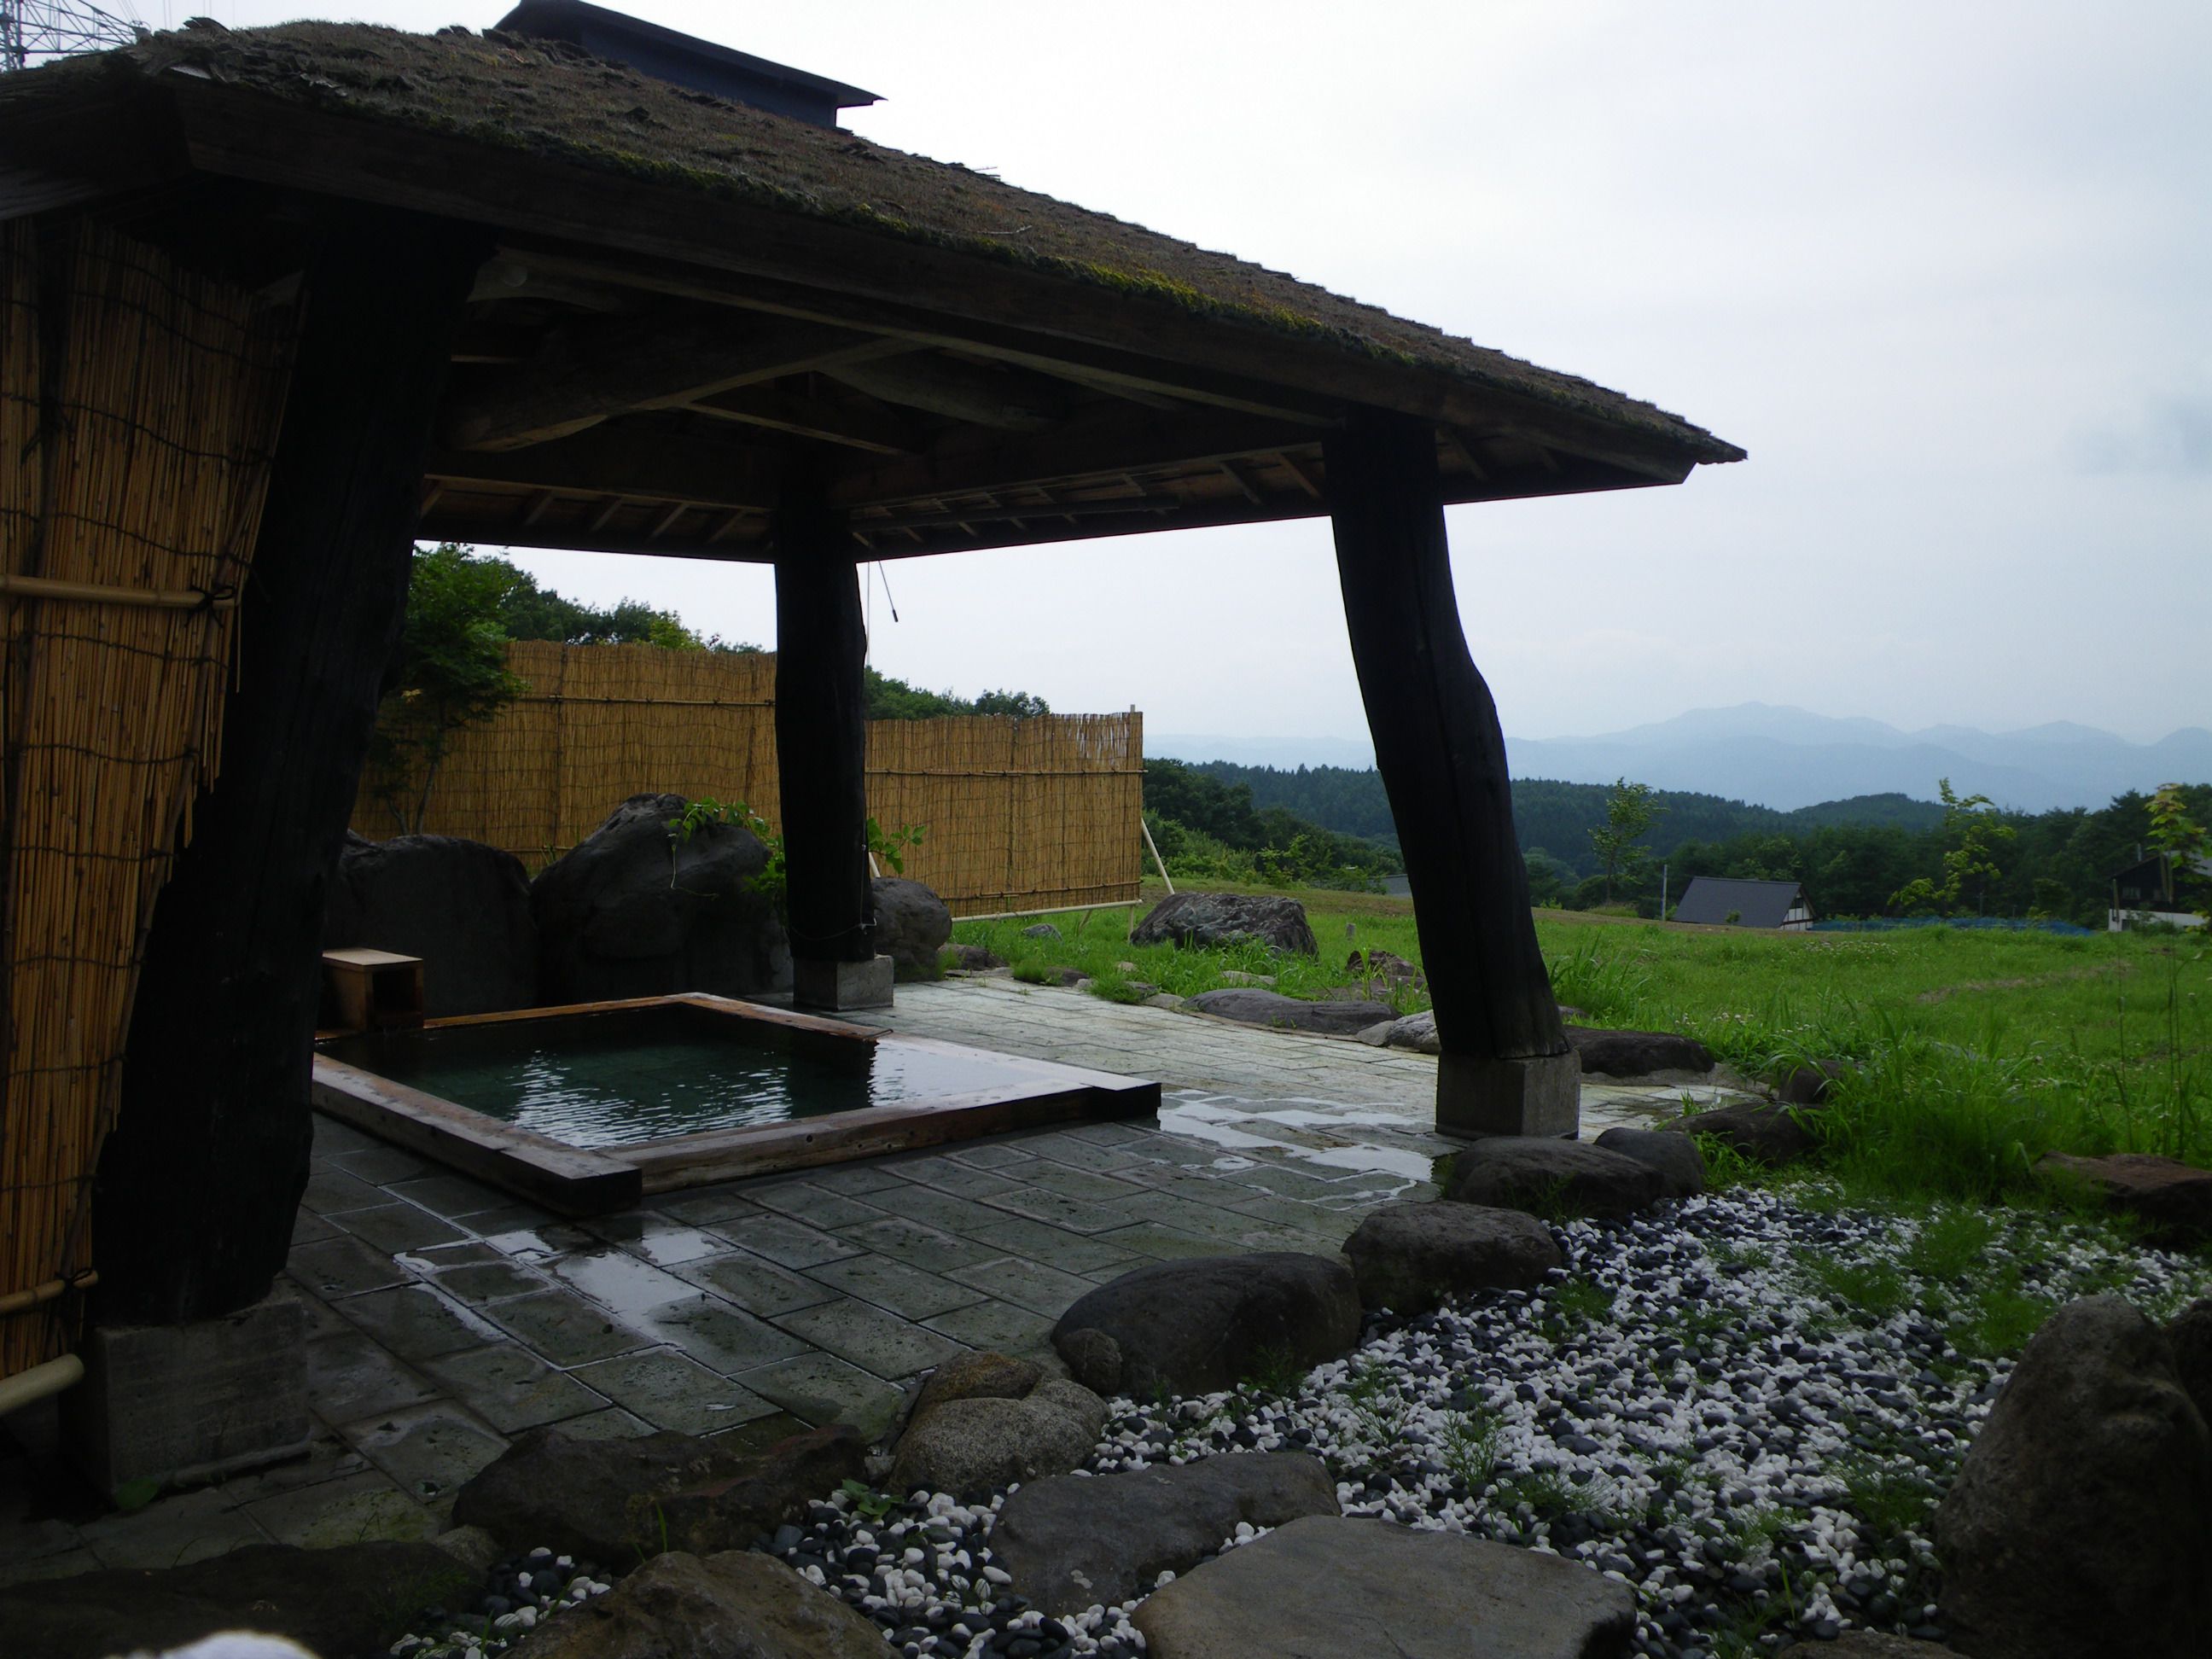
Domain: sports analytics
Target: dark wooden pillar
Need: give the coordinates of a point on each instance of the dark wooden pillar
(821, 741)
(1506, 1066)
(198, 1185)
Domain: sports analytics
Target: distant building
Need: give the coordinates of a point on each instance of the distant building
(1724, 902)
(2146, 892)
(686, 60)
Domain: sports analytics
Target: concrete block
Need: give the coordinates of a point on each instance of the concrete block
(838, 985)
(181, 1404)
(1478, 1095)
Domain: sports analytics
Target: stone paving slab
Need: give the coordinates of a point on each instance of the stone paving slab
(445, 1317)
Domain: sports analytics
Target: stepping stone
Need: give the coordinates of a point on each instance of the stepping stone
(622, 1500)
(1551, 1177)
(1409, 1256)
(1662, 1056)
(738, 1604)
(1206, 1323)
(1328, 1588)
(972, 1447)
(1256, 1007)
(2172, 1200)
(1077, 1541)
(1681, 1166)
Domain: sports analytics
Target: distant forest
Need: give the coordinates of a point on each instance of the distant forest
(1851, 854)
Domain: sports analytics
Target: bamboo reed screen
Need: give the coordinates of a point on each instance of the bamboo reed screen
(139, 406)
(1019, 815)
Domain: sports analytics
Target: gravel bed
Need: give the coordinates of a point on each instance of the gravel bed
(1743, 1406)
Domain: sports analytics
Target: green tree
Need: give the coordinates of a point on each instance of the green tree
(1972, 832)
(1630, 812)
(2182, 840)
(452, 674)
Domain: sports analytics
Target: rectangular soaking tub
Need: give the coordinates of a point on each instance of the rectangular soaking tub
(585, 1110)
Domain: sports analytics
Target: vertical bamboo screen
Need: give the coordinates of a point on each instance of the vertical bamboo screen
(139, 406)
(1018, 815)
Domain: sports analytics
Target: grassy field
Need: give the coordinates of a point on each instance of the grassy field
(1974, 1052)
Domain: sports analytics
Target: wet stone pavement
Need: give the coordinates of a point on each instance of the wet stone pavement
(445, 1317)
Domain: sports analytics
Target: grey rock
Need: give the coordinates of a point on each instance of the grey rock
(974, 958)
(2191, 1336)
(1204, 920)
(619, 1500)
(912, 924)
(1872, 1645)
(1409, 1257)
(1384, 965)
(1249, 1006)
(1376, 1035)
(2171, 1200)
(631, 912)
(1765, 1132)
(1658, 1054)
(972, 1447)
(1328, 1588)
(736, 1604)
(1811, 1085)
(2081, 1520)
(1165, 999)
(1417, 1032)
(461, 906)
(1077, 1541)
(335, 1602)
(1681, 1166)
(1041, 930)
(1208, 1323)
(1555, 1178)
(473, 1546)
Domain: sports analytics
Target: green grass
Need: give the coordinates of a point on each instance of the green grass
(1975, 1052)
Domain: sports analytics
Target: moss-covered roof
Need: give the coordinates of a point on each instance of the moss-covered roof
(550, 99)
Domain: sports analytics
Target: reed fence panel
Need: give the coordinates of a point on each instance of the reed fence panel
(1017, 814)
(139, 406)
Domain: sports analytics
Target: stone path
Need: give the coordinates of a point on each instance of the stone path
(445, 1317)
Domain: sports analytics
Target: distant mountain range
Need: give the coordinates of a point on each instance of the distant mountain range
(1786, 758)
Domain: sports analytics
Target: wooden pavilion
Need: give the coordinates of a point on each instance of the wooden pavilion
(500, 291)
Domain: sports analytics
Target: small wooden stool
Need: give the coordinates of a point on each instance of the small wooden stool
(371, 990)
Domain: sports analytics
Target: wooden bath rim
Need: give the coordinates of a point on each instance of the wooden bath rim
(573, 1180)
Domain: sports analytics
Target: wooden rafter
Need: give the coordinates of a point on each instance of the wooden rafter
(1005, 399)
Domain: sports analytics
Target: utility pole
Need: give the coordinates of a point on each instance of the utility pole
(32, 31)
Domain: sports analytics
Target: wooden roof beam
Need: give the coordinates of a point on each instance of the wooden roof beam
(826, 413)
(651, 458)
(591, 371)
(1005, 399)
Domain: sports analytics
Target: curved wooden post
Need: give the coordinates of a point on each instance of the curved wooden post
(821, 743)
(1506, 1067)
(199, 1181)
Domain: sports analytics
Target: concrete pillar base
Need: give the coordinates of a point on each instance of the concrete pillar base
(183, 1404)
(837, 985)
(1477, 1095)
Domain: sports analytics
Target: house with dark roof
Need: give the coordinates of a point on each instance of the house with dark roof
(1725, 901)
(2160, 889)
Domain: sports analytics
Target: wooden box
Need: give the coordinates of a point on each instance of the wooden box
(371, 990)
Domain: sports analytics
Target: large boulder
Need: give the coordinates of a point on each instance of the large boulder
(461, 906)
(738, 1604)
(1248, 1005)
(633, 911)
(1078, 1541)
(973, 1446)
(620, 1500)
(1681, 1166)
(2171, 1200)
(2081, 1520)
(912, 925)
(1765, 1131)
(1409, 1257)
(1552, 1177)
(2190, 1333)
(1662, 1056)
(1204, 920)
(1330, 1588)
(1872, 1645)
(343, 1604)
(1208, 1323)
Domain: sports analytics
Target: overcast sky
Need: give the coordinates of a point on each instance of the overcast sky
(1944, 270)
